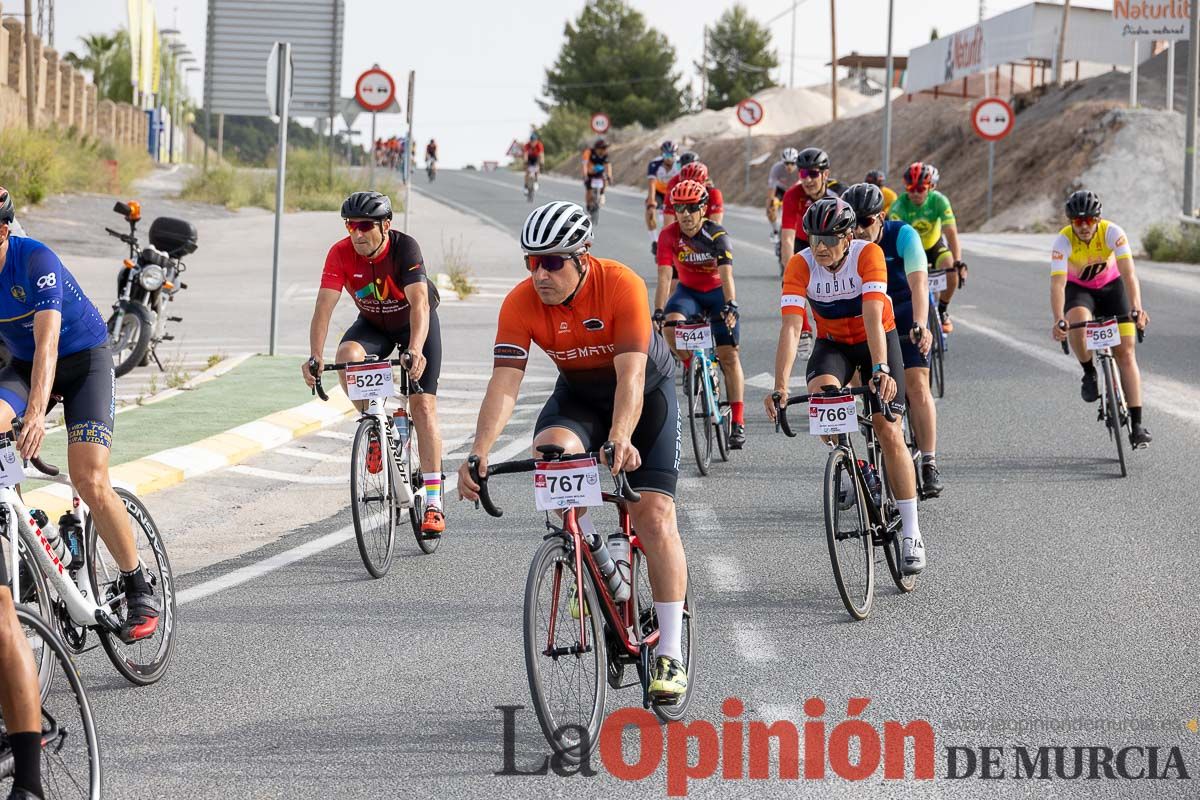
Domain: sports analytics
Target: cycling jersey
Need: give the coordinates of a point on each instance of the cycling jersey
(661, 174)
(927, 218)
(796, 201)
(533, 151)
(87, 384)
(594, 163)
(716, 200)
(1090, 264)
(377, 285)
(902, 251)
(836, 295)
(34, 279)
(609, 316)
(695, 258)
(780, 178)
(889, 197)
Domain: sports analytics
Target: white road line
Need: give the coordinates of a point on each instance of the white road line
(339, 435)
(296, 452)
(725, 574)
(701, 518)
(753, 644)
(290, 477)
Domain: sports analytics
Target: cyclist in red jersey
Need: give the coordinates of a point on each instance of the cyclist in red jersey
(384, 272)
(591, 317)
(695, 171)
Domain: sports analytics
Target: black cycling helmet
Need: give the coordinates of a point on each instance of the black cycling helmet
(865, 199)
(829, 216)
(7, 212)
(687, 157)
(367, 205)
(1080, 204)
(812, 158)
(599, 143)
(669, 149)
(876, 177)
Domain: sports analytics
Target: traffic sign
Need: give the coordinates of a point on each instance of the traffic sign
(992, 118)
(515, 149)
(375, 90)
(749, 112)
(273, 79)
(600, 122)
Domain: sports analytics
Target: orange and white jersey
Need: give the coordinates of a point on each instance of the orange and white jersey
(836, 296)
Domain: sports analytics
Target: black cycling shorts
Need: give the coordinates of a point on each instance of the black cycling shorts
(690, 302)
(779, 193)
(913, 357)
(935, 253)
(381, 344)
(87, 383)
(1109, 300)
(656, 437)
(841, 360)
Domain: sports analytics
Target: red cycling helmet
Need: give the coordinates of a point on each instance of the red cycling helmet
(688, 193)
(695, 171)
(918, 176)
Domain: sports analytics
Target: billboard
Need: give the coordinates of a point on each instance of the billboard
(241, 34)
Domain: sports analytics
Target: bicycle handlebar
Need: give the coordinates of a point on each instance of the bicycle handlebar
(41, 466)
(781, 410)
(624, 490)
(1071, 326)
(405, 361)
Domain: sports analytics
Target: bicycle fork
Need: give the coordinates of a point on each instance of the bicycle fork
(403, 494)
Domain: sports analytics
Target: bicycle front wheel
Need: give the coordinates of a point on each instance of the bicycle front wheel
(848, 534)
(372, 498)
(1112, 412)
(568, 682)
(698, 422)
(34, 594)
(145, 661)
(70, 745)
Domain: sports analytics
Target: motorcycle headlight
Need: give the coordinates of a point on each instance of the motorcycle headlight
(151, 277)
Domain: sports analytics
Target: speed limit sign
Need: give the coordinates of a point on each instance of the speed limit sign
(600, 122)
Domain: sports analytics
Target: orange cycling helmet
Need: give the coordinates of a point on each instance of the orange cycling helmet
(695, 171)
(688, 193)
(918, 176)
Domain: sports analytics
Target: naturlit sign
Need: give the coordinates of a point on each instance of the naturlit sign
(965, 54)
(1152, 19)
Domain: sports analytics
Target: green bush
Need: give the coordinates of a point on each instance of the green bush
(1179, 242)
(564, 133)
(37, 164)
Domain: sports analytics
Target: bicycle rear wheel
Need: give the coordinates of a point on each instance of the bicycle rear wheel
(891, 547)
(937, 352)
(145, 661)
(643, 599)
(1112, 412)
(416, 514)
(568, 686)
(70, 745)
(372, 499)
(848, 535)
(698, 422)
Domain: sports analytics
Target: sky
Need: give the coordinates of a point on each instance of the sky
(480, 64)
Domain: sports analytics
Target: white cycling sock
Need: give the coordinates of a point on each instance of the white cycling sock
(653, 235)
(433, 489)
(908, 515)
(670, 629)
(929, 457)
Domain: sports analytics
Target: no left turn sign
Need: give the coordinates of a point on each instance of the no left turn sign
(600, 123)
(749, 112)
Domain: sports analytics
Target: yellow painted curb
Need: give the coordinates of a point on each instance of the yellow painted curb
(294, 420)
(52, 504)
(230, 446)
(146, 475)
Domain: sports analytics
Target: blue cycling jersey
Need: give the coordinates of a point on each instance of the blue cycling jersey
(34, 279)
(903, 254)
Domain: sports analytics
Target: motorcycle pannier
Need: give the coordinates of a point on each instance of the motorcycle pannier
(175, 237)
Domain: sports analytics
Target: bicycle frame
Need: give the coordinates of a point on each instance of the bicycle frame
(397, 473)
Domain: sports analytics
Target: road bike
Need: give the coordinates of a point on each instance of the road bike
(1100, 335)
(77, 585)
(860, 509)
(937, 350)
(596, 184)
(708, 415)
(70, 763)
(573, 655)
(531, 181)
(384, 481)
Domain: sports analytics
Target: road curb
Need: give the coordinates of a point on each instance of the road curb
(173, 466)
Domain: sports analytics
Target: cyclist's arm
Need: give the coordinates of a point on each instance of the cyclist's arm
(662, 292)
(771, 203)
(631, 390)
(872, 269)
(496, 409)
(951, 232)
(725, 265)
(792, 306)
(916, 271)
(787, 244)
(876, 336)
(47, 326)
(418, 315)
(318, 329)
(1058, 296)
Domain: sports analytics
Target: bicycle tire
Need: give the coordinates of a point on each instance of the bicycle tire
(1112, 412)
(910, 441)
(376, 547)
(642, 598)
(937, 351)
(702, 450)
(891, 548)
(106, 587)
(35, 595)
(553, 568)
(858, 603)
(722, 425)
(56, 772)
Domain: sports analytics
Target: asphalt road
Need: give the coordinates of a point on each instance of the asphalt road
(1058, 596)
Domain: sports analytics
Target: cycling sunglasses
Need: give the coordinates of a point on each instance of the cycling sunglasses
(829, 242)
(810, 173)
(550, 263)
(866, 222)
(690, 208)
(360, 225)
(1084, 220)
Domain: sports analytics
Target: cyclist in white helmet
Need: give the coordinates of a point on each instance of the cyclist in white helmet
(783, 175)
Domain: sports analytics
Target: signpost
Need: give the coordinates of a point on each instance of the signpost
(374, 90)
(749, 113)
(600, 123)
(515, 150)
(409, 156)
(992, 119)
(279, 95)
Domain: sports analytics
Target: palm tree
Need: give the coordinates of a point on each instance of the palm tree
(107, 60)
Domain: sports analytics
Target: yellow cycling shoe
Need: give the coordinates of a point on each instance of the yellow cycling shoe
(668, 681)
(573, 605)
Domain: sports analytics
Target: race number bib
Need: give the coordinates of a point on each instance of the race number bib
(12, 471)
(937, 281)
(597, 183)
(564, 484)
(830, 415)
(1100, 335)
(369, 381)
(693, 337)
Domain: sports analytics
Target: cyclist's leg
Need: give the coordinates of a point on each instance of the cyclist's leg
(1081, 307)
(424, 408)
(682, 304)
(940, 257)
(919, 396)
(1112, 301)
(360, 340)
(727, 354)
(19, 696)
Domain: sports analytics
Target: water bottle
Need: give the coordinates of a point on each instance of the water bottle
(872, 477)
(60, 548)
(69, 530)
(608, 567)
(400, 421)
(618, 548)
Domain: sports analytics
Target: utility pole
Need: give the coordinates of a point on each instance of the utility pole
(30, 78)
(1062, 44)
(887, 99)
(1189, 152)
(833, 55)
(792, 74)
(704, 72)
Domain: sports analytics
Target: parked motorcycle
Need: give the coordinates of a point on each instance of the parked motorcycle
(148, 279)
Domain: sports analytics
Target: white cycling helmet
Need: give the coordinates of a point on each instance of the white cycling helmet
(790, 155)
(556, 228)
